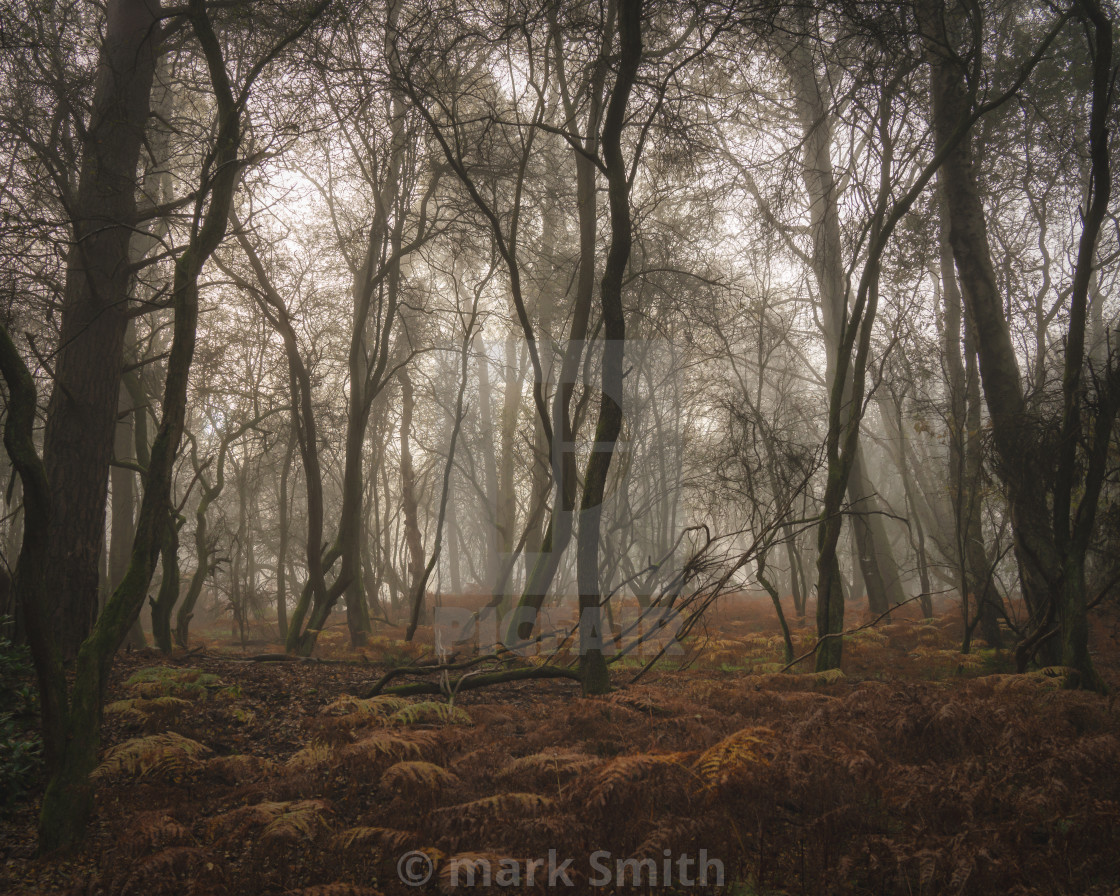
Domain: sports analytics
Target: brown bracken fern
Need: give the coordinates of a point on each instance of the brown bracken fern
(167, 755)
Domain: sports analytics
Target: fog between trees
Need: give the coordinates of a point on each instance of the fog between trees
(350, 307)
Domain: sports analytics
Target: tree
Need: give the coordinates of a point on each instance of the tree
(1052, 497)
(72, 715)
(203, 547)
(81, 416)
(825, 193)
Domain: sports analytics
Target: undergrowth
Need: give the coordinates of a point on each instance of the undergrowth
(21, 751)
(953, 781)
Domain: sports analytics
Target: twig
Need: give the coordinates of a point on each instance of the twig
(824, 638)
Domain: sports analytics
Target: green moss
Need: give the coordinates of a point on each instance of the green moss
(164, 681)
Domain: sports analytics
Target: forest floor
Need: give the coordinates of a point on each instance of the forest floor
(918, 771)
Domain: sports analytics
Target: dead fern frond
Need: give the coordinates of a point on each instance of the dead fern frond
(500, 805)
(313, 757)
(1057, 675)
(164, 681)
(705, 688)
(931, 636)
(388, 746)
(1050, 677)
(303, 820)
(798, 703)
(138, 709)
(620, 774)
(671, 833)
(335, 889)
(377, 707)
(417, 778)
(645, 702)
(166, 755)
(388, 840)
(557, 766)
(239, 769)
(176, 870)
(430, 712)
(152, 831)
(742, 753)
(869, 636)
(828, 676)
(298, 819)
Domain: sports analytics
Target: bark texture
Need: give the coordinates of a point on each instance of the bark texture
(81, 415)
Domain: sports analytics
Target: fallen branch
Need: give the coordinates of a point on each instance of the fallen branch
(288, 658)
(473, 680)
(852, 631)
(425, 669)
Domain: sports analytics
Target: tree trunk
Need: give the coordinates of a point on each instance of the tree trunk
(593, 669)
(385, 241)
(876, 561)
(796, 575)
(506, 522)
(1050, 543)
(122, 528)
(558, 529)
(168, 593)
(453, 527)
(491, 535)
(68, 799)
(409, 504)
(285, 512)
(315, 602)
(981, 569)
(194, 589)
(81, 415)
(1013, 428)
(965, 460)
(873, 548)
(421, 582)
(202, 547)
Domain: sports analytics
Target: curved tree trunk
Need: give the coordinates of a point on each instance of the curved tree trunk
(593, 669)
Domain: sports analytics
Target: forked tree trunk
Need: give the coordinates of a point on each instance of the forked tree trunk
(81, 416)
(72, 720)
(978, 591)
(873, 551)
(558, 530)
(1050, 543)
